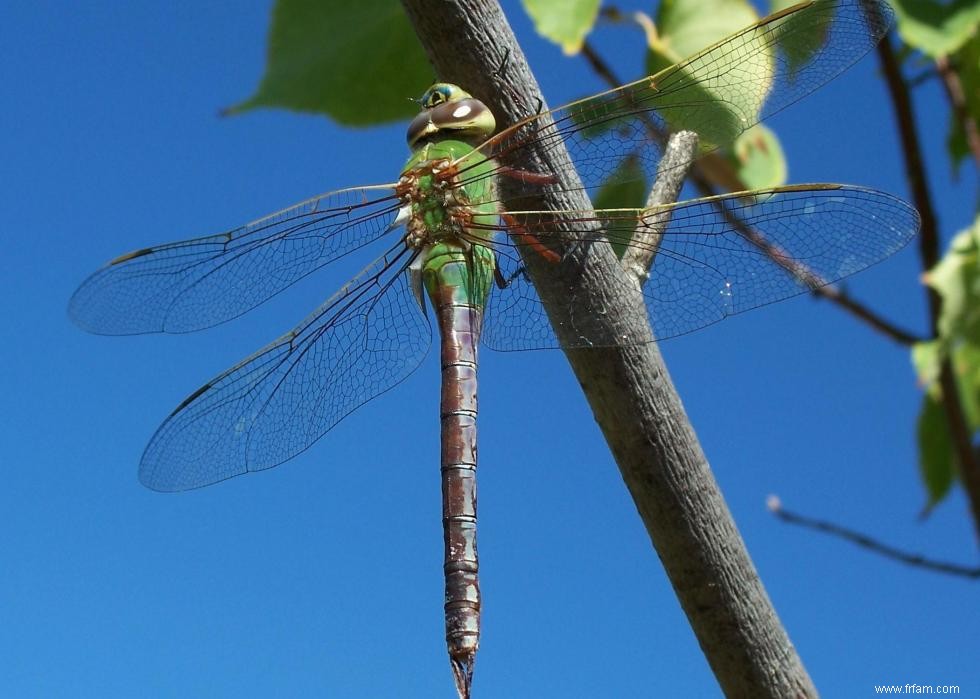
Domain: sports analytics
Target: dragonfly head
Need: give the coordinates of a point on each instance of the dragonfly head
(449, 111)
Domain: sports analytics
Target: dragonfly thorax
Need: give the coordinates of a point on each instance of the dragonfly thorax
(440, 204)
(434, 206)
(448, 194)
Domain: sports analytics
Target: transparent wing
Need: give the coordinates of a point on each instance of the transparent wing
(717, 93)
(715, 257)
(195, 284)
(263, 411)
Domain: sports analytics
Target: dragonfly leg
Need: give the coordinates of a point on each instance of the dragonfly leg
(521, 232)
(503, 282)
(526, 175)
(513, 93)
(503, 64)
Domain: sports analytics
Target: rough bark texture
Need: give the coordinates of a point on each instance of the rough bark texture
(679, 155)
(470, 43)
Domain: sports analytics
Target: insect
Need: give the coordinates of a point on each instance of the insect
(451, 230)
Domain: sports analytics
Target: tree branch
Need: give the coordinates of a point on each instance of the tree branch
(957, 99)
(628, 387)
(914, 167)
(679, 154)
(865, 541)
(838, 296)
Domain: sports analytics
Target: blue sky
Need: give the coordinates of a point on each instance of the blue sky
(323, 577)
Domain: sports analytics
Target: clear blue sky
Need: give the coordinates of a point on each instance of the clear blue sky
(323, 577)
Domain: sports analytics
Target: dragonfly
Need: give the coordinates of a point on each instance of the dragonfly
(453, 230)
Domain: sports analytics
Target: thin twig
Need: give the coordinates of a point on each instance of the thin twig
(865, 541)
(838, 296)
(599, 65)
(957, 98)
(679, 154)
(926, 76)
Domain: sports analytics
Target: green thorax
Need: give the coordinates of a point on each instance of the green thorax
(478, 195)
(455, 270)
(453, 205)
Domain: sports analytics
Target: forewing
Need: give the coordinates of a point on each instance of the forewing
(714, 258)
(718, 93)
(273, 405)
(198, 283)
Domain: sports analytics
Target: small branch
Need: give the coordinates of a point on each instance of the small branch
(914, 168)
(679, 155)
(926, 76)
(841, 298)
(957, 98)
(599, 65)
(864, 541)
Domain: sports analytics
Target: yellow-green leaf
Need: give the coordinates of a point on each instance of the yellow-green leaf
(684, 27)
(937, 28)
(565, 22)
(358, 62)
(809, 35)
(957, 280)
(758, 158)
(926, 358)
(723, 106)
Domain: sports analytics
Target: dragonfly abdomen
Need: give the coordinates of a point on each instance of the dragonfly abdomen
(457, 278)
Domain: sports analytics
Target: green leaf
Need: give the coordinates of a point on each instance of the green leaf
(684, 27)
(935, 28)
(809, 35)
(626, 188)
(956, 142)
(926, 358)
(723, 107)
(358, 62)
(957, 280)
(936, 465)
(565, 22)
(758, 158)
(937, 457)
